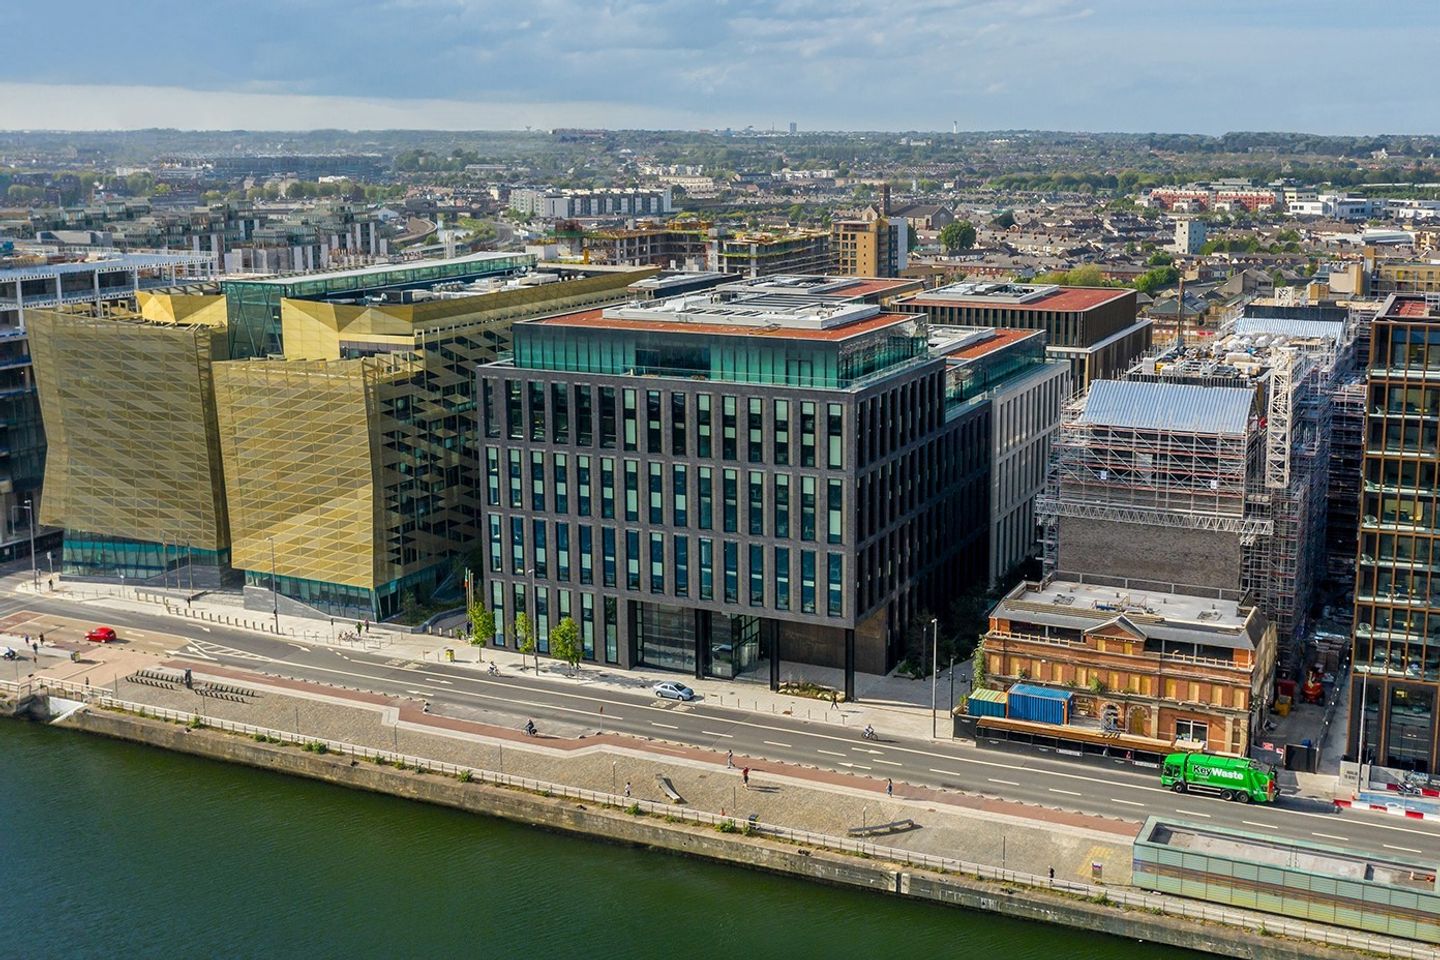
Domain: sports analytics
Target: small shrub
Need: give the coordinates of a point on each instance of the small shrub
(195, 724)
(260, 738)
(465, 776)
(377, 759)
(749, 829)
(400, 765)
(727, 826)
(634, 810)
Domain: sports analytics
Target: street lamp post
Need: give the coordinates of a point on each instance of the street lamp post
(29, 508)
(934, 678)
(274, 596)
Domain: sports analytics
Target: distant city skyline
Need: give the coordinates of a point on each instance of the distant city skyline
(1105, 65)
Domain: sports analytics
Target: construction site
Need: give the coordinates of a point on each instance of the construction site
(1212, 466)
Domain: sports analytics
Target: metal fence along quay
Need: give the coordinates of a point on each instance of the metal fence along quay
(1163, 905)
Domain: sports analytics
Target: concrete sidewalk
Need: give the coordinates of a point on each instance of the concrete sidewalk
(894, 706)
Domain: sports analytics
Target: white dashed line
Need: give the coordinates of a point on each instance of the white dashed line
(1331, 836)
(830, 753)
(891, 763)
(1404, 849)
(712, 733)
(1008, 783)
(1128, 803)
(1193, 813)
(774, 743)
(1266, 826)
(1068, 793)
(667, 726)
(950, 773)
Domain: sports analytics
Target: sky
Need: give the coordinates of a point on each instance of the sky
(1323, 66)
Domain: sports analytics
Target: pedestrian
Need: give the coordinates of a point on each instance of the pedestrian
(729, 759)
(627, 789)
(834, 700)
(1052, 874)
(42, 638)
(889, 787)
(367, 624)
(745, 777)
(52, 584)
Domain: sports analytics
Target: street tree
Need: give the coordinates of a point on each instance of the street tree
(525, 640)
(565, 642)
(482, 623)
(957, 235)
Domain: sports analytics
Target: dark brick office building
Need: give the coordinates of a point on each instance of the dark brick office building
(715, 487)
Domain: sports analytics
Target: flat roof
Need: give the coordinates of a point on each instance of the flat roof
(382, 268)
(998, 338)
(1182, 407)
(125, 261)
(1410, 305)
(597, 319)
(1060, 298)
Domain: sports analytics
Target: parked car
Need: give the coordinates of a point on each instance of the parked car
(670, 690)
(101, 635)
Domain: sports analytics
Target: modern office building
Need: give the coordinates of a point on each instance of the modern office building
(133, 473)
(707, 485)
(1396, 658)
(303, 434)
(254, 305)
(552, 204)
(28, 284)
(1093, 328)
(869, 246)
(1196, 669)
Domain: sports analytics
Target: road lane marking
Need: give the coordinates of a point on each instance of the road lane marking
(712, 733)
(668, 726)
(1262, 826)
(855, 766)
(1193, 813)
(867, 750)
(774, 743)
(1068, 793)
(892, 763)
(1405, 849)
(1331, 836)
(830, 753)
(1008, 783)
(1128, 803)
(418, 693)
(948, 773)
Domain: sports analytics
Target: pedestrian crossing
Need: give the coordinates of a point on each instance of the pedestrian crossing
(209, 650)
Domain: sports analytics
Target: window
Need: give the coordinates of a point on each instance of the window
(607, 556)
(680, 487)
(497, 544)
(492, 476)
(632, 559)
(560, 413)
(517, 479)
(731, 483)
(755, 430)
(757, 575)
(757, 504)
(492, 425)
(835, 511)
(632, 491)
(587, 625)
(807, 581)
(732, 572)
(727, 428)
(587, 559)
(514, 412)
(607, 418)
(1196, 731)
(582, 481)
(782, 578)
(807, 434)
(562, 483)
(702, 426)
(657, 563)
(807, 508)
(707, 568)
(834, 436)
(562, 552)
(834, 584)
(542, 619)
(677, 424)
(782, 506)
(497, 606)
(657, 493)
(537, 411)
(682, 566)
(584, 428)
(654, 437)
(629, 417)
(612, 620)
(707, 498)
(517, 546)
(607, 488)
(542, 561)
(537, 480)
(782, 433)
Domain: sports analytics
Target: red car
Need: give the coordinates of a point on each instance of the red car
(101, 635)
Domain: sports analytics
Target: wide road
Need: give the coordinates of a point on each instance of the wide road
(560, 705)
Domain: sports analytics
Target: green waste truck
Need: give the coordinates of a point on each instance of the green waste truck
(1233, 778)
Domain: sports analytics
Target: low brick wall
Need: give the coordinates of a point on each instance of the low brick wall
(615, 825)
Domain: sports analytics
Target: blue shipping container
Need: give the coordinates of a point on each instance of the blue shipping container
(986, 703)
(1025, 701)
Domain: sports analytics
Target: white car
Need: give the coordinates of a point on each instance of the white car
(670, 690)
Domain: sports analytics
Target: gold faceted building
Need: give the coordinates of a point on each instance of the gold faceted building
(133, 472)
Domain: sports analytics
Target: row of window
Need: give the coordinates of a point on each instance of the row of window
(779, 505)
(666, 564)
(673, 422)
(548, 606)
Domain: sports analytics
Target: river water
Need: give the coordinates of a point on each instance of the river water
(115, 850)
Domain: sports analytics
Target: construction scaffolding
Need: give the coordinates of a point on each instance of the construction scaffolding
(1182, 465)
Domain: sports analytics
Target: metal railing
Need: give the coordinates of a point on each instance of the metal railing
(1139, 900)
